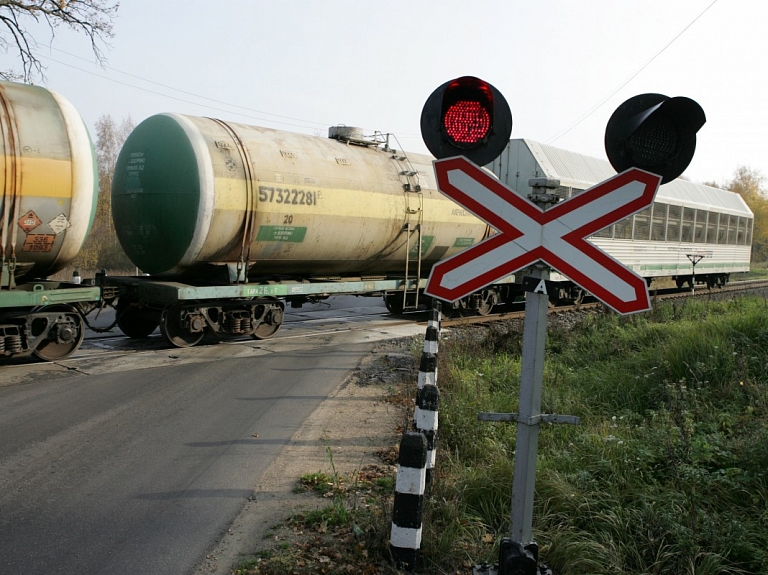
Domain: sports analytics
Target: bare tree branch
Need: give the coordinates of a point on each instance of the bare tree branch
(91, 17)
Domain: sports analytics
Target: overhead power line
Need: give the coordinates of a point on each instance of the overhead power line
(305, 123)
(597, 106)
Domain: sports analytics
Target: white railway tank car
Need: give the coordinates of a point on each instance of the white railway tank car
(48, 196)
(192, 193)
(49, 182)
(692, 232)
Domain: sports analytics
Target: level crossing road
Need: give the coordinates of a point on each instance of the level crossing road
(115, 466)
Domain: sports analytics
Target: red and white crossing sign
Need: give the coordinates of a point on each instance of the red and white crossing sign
(557, 236)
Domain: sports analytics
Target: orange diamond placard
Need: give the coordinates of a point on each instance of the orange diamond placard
(29, 221)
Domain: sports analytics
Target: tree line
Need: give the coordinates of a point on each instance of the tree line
(102, 248)
(750, 185)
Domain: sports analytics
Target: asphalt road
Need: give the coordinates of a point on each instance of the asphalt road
(116, 466)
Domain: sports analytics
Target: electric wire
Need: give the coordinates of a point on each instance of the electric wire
(179, 99)
(596, 107)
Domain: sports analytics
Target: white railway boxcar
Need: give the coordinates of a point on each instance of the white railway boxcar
(692, 233)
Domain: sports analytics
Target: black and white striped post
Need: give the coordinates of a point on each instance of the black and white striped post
(425, 417)
(428, 364)
(428, 396)
(405, 538)
(417, 454)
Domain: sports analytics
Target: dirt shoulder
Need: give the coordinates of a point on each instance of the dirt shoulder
(350, 431)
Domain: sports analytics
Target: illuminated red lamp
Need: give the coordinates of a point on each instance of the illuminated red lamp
(467, 122)
(468, 117)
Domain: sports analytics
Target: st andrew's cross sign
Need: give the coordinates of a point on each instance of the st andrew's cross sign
(557, 236)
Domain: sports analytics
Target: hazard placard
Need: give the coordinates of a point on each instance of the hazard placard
(38, 243)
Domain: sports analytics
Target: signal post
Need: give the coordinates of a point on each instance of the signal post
(650, 139)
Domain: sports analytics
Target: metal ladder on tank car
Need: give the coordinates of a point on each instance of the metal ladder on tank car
(414, 208)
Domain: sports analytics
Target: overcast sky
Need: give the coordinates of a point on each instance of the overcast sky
(563, 65)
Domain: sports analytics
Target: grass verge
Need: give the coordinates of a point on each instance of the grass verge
(668, 472)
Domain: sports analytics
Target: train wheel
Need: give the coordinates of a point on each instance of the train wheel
(485, 307)
(175, 332)
(64, 337)
(555, 298)
(681, 281)
(394, 303)
(137, 323)
(271, 324)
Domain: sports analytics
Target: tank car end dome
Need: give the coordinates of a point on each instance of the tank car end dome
(50, 179)
(156, 193)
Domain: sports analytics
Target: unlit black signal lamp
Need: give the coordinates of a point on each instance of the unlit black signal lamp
(466, 117)
(655, 133)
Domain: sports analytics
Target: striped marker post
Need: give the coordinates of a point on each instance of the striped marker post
(425, 417)
(405, 539)
(428, 364)
(428, 396)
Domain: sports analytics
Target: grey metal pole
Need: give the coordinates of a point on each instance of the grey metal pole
(531, 379)
(519, 554)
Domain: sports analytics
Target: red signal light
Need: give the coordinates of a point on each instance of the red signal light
(466, 117)
(467, 112)
(467, 122)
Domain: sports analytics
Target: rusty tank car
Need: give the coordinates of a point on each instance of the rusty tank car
(47, 206)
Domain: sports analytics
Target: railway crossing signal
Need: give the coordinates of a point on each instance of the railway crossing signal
(557, 236)
(466, 117)
(650, 139)
(655, 133)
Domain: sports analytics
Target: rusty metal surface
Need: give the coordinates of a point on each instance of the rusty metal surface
(47, 175)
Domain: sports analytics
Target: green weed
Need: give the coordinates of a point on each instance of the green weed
(668, 471)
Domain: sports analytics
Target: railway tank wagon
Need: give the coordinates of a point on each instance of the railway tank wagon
(692, 233)
(48, 203)
(209, 203)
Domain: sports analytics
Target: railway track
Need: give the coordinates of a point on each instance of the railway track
(318, 318)
(517, 312)
(319, 314)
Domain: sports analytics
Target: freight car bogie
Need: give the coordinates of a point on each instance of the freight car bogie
(185, 324)
(480, 303)
(44, 318)
(270, 321)
(717, 280)
(710, 280)
(58, 331)
(566, 293)
(49, 333)
(182, 326)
